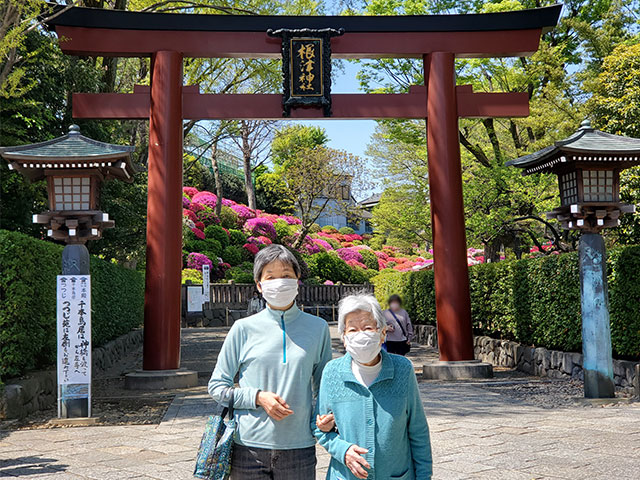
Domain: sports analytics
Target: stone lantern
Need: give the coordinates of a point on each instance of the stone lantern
(588, 166)
(74, 167)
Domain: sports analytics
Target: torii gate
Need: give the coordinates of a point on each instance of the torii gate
(168, 38)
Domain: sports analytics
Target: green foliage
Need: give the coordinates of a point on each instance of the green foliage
(241, 273)
(228, 218)
(329, 266)
(233, 255)
(329, 229)
(292, 139)
(347, 231)
(532, 301)
(237, 237)
(377, 241)
(369, 259)
(302, 261)
(212, 248)
(217, 232)
(28, 302)
(273, 195)
(283, 229)
(193, 274)
(315, 228)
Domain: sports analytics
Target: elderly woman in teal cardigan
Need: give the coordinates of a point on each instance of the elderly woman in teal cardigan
(371, 418)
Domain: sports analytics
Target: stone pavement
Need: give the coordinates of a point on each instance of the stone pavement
(475, 434)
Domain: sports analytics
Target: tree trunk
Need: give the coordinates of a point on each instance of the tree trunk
(216, 177)
(246, 157)
(492, 251)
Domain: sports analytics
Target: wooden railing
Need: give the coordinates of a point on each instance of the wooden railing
(236, 296)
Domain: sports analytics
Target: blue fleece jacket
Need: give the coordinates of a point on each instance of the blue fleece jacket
(387, 419)
(274, 351)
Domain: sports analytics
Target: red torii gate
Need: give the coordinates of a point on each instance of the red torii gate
(168, 38)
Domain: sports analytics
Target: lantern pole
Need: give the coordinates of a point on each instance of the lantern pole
(597, 362)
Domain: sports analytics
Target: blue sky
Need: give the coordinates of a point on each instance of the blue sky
(350, 135)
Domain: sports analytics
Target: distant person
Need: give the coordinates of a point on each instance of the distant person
(399, 328)
(256, 304)
(370, 415)
(279, 354)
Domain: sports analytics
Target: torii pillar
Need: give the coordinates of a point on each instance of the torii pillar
(164, 213)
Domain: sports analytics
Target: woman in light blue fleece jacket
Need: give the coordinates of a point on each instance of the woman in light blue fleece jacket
(279, 354)
(371, 417)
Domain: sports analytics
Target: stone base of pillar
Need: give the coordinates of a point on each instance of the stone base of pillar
(160, 379)
(461, 370)
(76, 421)
(595, 402)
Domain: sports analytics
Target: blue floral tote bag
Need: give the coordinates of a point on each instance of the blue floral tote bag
(214, 455)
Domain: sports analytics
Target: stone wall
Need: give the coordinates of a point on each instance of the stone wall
(536, 361)
(38, 390)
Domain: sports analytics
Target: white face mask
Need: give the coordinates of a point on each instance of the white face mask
(394, 306)
(363, 346)
(280, 292)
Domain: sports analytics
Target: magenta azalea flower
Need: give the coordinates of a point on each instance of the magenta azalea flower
(198, 233)
(348, 254)
(260, 227)
(197, 260)
(322, 243)
(185, 201)
(205, 198)
(195, 207)
(355, 263)
(189, 214)
(189, 191)
(244, 213)
(251, 248)
(328, 282)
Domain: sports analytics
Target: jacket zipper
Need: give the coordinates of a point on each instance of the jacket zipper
(284, 339)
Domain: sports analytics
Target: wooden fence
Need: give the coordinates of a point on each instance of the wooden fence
(236, 296)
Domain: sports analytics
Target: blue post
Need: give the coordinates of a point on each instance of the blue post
(596, 331)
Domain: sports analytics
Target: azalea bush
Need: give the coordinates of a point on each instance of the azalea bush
(238, 233)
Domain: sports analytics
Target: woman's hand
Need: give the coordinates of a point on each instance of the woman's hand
(356, 462)
(274, 405)
(390, 328)
(326, 422)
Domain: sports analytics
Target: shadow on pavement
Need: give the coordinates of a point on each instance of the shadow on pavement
(29, 465)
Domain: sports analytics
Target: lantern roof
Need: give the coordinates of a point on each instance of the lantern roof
(71, 151)
(585, 145)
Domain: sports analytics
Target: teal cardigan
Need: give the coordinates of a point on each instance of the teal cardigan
(387, 418)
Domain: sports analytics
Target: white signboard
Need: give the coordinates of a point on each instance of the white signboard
(74, 329)
(194, 299)
(206, 288)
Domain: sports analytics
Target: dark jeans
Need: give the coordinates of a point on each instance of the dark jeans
(250, 463)
(400, 348)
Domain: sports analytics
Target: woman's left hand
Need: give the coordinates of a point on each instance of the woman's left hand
(325, 422)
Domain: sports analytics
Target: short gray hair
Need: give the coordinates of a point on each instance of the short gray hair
(360, 302)
(274, 253)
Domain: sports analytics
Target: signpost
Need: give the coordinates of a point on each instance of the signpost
(74, 345)
(206, 283)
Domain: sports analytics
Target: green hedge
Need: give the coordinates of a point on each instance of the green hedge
(28, 302)
(532, 301)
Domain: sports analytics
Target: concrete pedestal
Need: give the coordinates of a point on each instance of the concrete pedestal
(160, 379)
(461, 370)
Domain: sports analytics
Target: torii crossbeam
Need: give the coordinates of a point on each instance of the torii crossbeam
(168, 38)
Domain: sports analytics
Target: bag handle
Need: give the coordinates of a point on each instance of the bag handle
(399, 324)
(229, 409)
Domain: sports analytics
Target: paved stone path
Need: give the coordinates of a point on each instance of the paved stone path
(475, 433)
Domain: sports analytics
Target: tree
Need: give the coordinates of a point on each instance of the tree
(503, 208)
(615, 108)
(253, 140)
(316, 177)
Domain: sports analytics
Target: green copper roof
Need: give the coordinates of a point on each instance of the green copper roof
(70, 147)
(587, 144)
